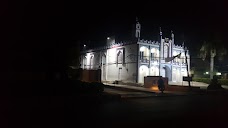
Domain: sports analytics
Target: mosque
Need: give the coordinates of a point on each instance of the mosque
(133, 60)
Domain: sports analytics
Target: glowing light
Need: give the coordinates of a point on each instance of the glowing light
(84, 45)
(112, 55)
(142, 49)
(218, 73)
(143, 67)
(108, 38)
(174, 53)
(154, 88)
(206, 72)
(153, 50)
(112, 52)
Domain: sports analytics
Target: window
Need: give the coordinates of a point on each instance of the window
(141, 55)
(152, 55)
(91, 61)
(120, 56)
(166, 51)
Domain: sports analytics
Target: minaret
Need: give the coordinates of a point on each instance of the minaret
(161, 52)
(172, 44)
(138, 29)
(161, 45)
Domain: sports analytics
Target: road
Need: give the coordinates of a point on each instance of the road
(208, 110)
(174, 111)
(128, 93)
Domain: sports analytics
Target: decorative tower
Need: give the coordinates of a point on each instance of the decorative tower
(138, 29)
(161, 52)
(172, 44)
(161, 45)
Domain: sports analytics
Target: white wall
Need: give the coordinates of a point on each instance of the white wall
(125, 72)
(130, 68)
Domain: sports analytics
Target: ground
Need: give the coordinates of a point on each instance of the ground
(202, 110)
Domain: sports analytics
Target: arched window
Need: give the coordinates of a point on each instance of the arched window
(152, 54)
(91, 61)
(166, 50)
(120, 56)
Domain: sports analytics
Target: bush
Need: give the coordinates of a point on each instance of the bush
(214, 84)
(207, 80)
(223, 81)
(204, 80)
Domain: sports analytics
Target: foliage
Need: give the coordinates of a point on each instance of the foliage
(207, 80)
(223, 81)
(211, 49)
(214, 46)
(204, 80)
(214, 84)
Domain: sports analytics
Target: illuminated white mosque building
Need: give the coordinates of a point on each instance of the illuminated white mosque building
(134, 60)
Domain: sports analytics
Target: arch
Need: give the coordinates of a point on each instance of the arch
(154, 54)
(174, 75)
(143, 71)
(178, 75)
(144, 54)
(91, 61)
(120, 56)
(84, 61)
(103, 67)
(166, 50)
(142, 48)
(162, 72)
(154, 71)
(168, 73)
(153, 50)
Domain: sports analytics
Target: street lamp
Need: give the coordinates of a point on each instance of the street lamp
(84, 47)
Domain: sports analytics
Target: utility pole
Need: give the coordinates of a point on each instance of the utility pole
(161, 52)
(213, 54)
(186, 61)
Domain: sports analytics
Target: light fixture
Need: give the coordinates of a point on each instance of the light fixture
(218, 73)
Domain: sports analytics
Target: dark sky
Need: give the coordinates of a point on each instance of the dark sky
(191, 21)
(41, 31)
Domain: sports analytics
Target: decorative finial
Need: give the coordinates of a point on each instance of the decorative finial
(172, 35)
(160, 32)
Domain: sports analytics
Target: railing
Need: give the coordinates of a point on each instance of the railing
(144, 60)
(179, 63)
(154, 60)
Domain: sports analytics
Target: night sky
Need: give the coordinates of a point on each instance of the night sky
(42, 31)
(191, 22)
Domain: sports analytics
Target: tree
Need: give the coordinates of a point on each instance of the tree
(212, 49)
